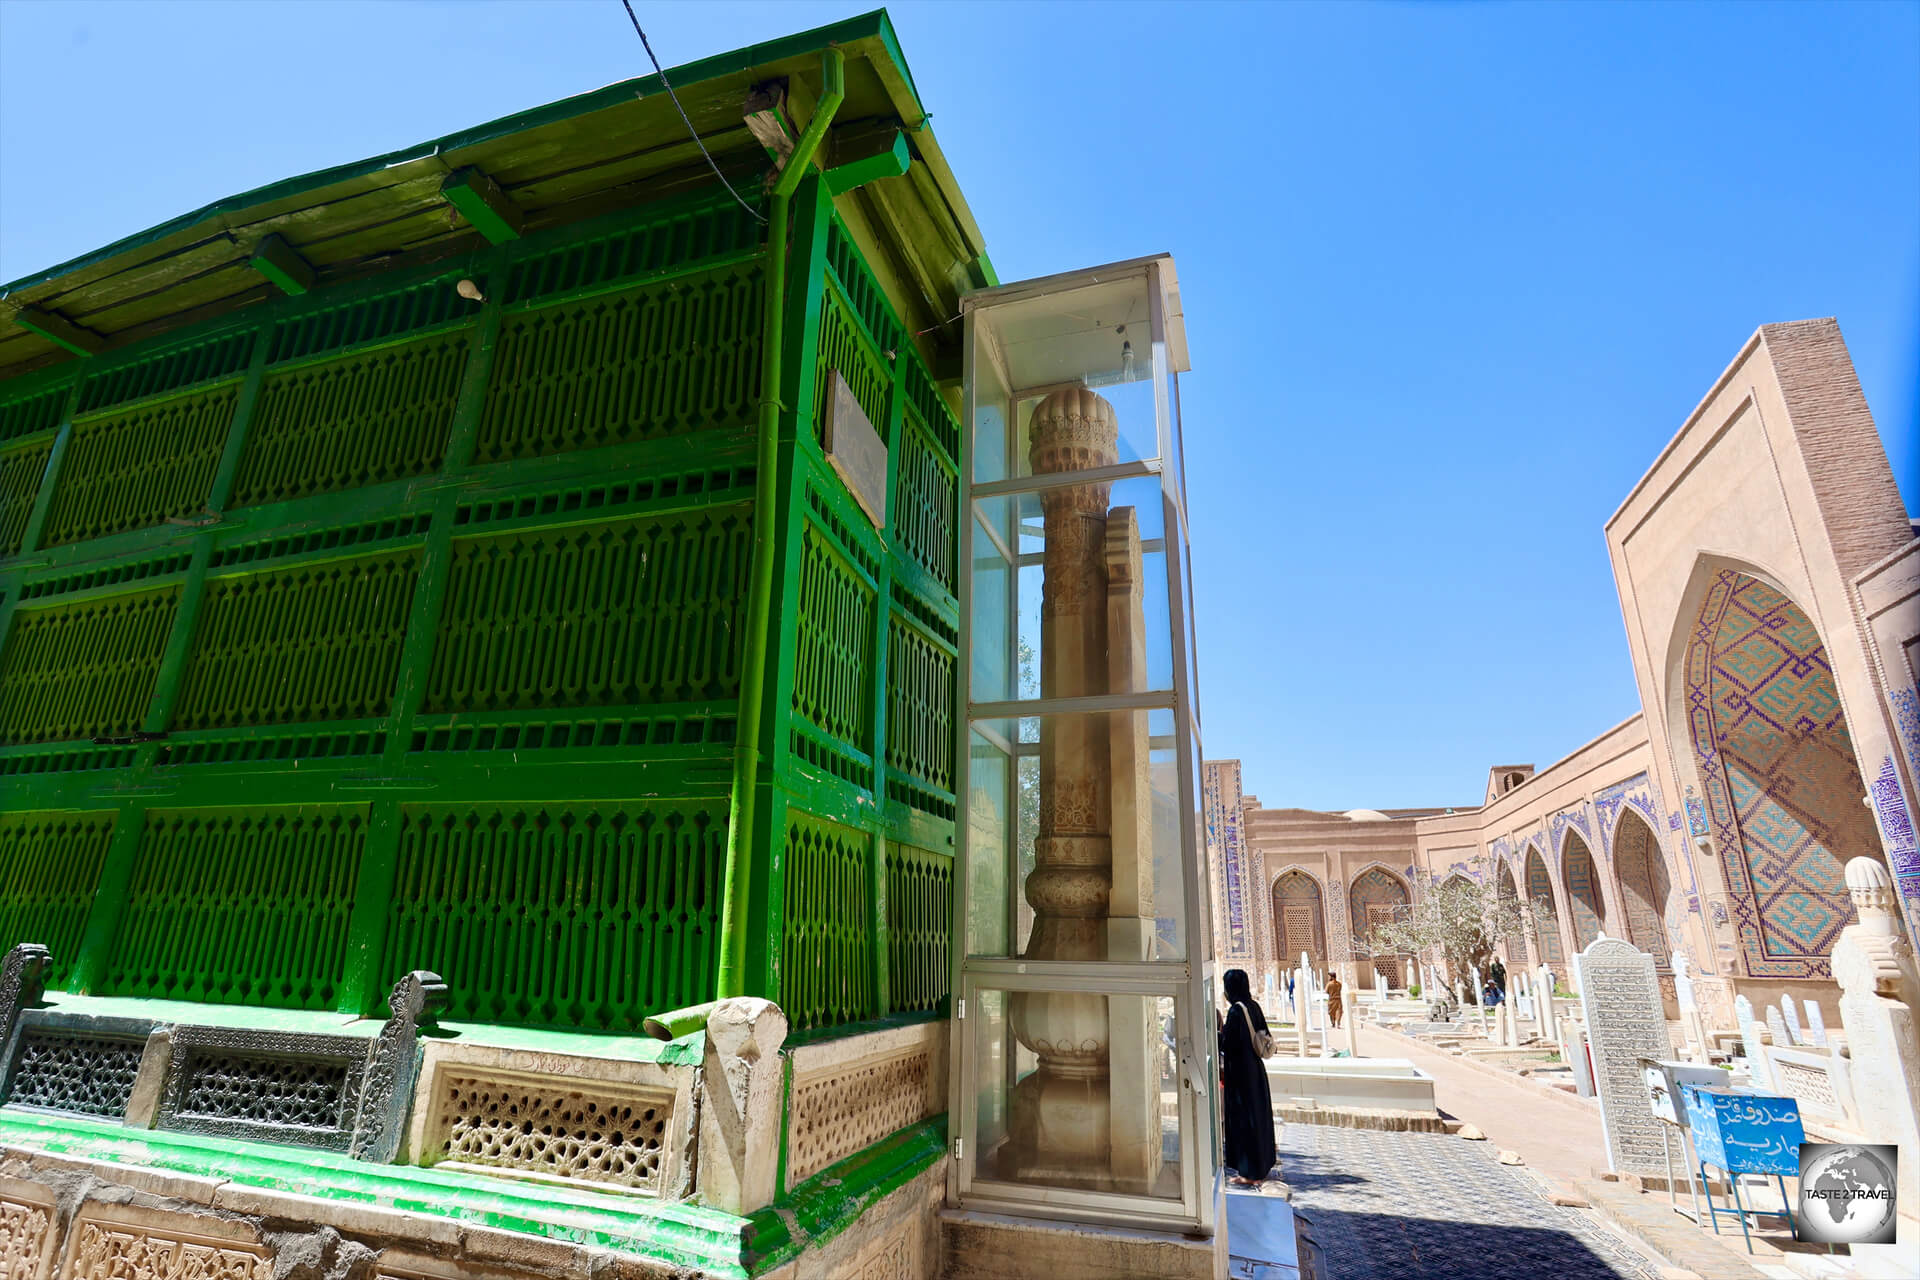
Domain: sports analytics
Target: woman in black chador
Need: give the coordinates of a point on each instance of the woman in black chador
(1245, 1101)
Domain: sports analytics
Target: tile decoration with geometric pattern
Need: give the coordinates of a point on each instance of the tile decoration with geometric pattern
(1777, 766)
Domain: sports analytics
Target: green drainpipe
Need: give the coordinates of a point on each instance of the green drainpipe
(746, 751)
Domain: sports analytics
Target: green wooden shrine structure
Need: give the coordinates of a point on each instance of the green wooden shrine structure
(378, 569)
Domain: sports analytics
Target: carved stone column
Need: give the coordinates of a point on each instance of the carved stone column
(1060, 1114)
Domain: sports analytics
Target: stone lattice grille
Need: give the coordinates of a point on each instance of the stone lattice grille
(1808, 1085)
(836, 1115)
(263, 1090)
(23, 1239)
(89, 1075)
(607, 1135)
(109, 1252)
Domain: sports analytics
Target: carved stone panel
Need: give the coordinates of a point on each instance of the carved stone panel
(587, 1131)
(1620, 995)
(26, 1237)
(131, 1244)
(837, 1112)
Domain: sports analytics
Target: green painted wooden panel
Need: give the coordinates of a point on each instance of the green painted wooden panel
(83, 670)
(923, 512)
(240, 906)
(661, 360)
(341, 424)
(141, 466)
(626, 613)
(20, 473)
(49, 867)
(209, 360)
(28, 413)
(832, 686)
(919, 927)
(333, 324)
(920, 694)
(584, 916)
(826, 970)
(671, 242)
(843, 348)
(316, 642)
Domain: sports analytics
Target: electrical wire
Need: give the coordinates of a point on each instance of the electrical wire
(691, 131)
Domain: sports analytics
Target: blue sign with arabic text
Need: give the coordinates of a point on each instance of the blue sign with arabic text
(1744, 1132)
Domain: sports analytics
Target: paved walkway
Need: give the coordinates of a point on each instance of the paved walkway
(1420, 1206)
(1560, 1138)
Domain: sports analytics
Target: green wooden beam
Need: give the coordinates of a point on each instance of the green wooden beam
(60, 330)
(867, 160)
(482, 203)
(275, 259)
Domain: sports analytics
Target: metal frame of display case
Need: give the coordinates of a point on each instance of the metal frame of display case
(1186, 980)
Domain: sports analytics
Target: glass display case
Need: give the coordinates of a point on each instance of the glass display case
(1084, 1041)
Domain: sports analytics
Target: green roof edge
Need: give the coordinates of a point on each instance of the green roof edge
(872, 24)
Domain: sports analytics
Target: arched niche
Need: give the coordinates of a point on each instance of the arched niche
(1299, 919)
(1644, 886)
(1377, 896)
(1778, 775)
(1503, 886)
(1586, 900)
(1540, 888)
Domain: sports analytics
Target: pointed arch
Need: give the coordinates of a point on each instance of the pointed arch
(1374, 897)
(1768, 738)
(1586, 898)
(1299, 917)
(1503, 887)
(1645, 889)
(1539, 885)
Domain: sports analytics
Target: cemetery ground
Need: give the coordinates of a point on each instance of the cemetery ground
(1423, 1206)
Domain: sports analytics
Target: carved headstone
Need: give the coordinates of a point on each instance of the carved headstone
(1778, 1025)
(1792, 1015)
(1759, 1066)
(388, 1087)
(22, 977)
(1620, 995)
(1816, 1025)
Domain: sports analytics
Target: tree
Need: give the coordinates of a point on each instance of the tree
(1459, 918)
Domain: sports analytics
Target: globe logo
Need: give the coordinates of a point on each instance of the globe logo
(1847, 1193)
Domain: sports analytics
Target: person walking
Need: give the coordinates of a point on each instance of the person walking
(1334, 1008)
(1246, 1101)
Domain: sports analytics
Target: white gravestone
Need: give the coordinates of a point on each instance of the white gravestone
(1742, 1010)
(1792, 1015)
(1816, 1024)
(1620, 995)
(1379, 984)
(1696, 1030)
(1759, 1069)
(1778, 1025)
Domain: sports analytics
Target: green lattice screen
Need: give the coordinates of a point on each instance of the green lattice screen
(661, 360)
(589, 917)
(919, 706)
(826, 971)
(843, 348)
(20, 472)
(919, 927)
(83, 670)
(30, 413)
(832, 686)
(358, 421)
(672, 241)
(240, 906)
(49, 866)
(205, 361)
(925, 505)
(385, 315)
(137, 468)
(317, 642)
(632, 612)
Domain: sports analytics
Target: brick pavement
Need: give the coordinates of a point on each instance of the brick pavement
(1421, 1206)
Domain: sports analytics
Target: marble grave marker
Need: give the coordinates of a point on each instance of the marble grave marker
(1620, 996)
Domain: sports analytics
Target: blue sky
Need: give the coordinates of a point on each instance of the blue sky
(1453, 274)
